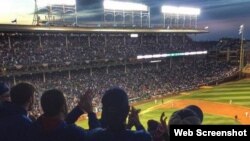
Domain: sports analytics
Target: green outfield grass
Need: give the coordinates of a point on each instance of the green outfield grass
(238, 92)
(208, 118)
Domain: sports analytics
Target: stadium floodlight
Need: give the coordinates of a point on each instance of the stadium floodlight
(44, 3)
(189, 11)
(180, 10)
(169, 9)
(124, 6)
(56, 9)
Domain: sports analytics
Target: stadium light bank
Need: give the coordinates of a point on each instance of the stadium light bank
(139, 57)
(124, 6)
(61, 8)
(44, 3)
(180, 10)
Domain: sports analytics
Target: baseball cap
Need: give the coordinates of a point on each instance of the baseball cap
(190, 115)
(197, 110)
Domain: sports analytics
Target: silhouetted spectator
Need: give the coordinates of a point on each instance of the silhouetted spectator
(114, 113)
(190, 115)
(51, 126)
(14, 120)
(159, 130)
(197, 110)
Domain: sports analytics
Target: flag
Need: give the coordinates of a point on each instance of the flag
(14, 21)
(241, 29)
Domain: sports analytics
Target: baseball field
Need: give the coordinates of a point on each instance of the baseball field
(220, 104)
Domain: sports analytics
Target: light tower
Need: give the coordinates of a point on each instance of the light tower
(35, 17)
(241, 64)
(126, 13)
(180, 17)
(56, 12)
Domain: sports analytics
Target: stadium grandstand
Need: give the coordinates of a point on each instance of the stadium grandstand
(73, 59)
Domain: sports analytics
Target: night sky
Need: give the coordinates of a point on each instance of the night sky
(223, 17)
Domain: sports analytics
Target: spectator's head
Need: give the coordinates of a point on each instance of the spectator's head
(155, 129)
(115, 108)
(4, 92)
(22, 94)
(152, 125)
(53, 103)
(191, 115)
(197, 110)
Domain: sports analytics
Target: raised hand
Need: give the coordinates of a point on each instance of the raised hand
(85, 102)
(163, 121)
(133, 119)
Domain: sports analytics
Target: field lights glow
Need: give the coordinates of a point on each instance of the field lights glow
(180, 10)
(124, 6)
(171, 55)
(43, 3)
(134, 35)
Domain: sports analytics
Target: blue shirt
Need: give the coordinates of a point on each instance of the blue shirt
(14, 122)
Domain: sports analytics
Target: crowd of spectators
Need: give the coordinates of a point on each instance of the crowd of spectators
(144, 80)
(22, 50)
(55, 123)
(225, 43)
(139, 80)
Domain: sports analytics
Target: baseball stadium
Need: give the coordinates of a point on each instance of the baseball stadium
(77, 71)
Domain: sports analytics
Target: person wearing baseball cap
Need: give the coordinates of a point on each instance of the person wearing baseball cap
(190, 115)
(197, 110)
